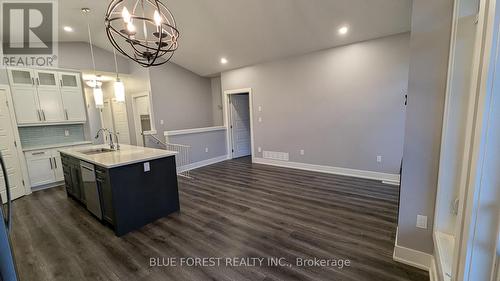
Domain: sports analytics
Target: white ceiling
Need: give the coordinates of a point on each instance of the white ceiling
(247, 32)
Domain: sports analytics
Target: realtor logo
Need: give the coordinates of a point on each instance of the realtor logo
(29, 33)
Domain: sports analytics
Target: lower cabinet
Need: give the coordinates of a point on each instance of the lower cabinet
(104, 185)
(44, 167)
(73, 178)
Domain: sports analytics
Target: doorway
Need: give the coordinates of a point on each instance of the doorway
(239, 123)
(143, 119)
(114, 117)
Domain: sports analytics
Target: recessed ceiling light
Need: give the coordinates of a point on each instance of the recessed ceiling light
(68, 29)
(223, 60)
(343, 30)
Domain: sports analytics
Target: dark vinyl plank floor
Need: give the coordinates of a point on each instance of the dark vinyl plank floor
(230, 209)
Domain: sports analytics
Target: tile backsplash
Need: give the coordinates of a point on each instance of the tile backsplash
(47, 135)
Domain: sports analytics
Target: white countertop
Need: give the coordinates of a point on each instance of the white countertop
(128, 154)
(56, 145)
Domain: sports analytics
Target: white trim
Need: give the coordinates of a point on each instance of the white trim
(412, 257)
(433, 275)
(202, 163)
(396, 183)
(194, 131)
(137, 122)
(329, 169)
(226, 117)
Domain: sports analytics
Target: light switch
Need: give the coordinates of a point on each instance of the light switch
(161, 122)
(260, 119)
(206, 149)
(302, 152)
(422, 221)
(260, 108)
(146, 167)
(379, 159)
(259, 149)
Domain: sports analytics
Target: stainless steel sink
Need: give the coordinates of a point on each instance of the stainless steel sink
(96, 151)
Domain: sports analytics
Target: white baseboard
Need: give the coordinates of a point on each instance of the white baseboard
(433, 274)
(329, 169)
(412, 257)
(202, 163)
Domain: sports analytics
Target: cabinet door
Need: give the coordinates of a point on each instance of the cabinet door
(58, 166)
(40, 168)
(51, 107)
(76, 181)
(74, 105)
(104, 184)
(69, 80)
(19, 77)
(26, 105)
(46, 79)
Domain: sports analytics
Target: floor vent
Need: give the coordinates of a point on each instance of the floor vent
(282, 156)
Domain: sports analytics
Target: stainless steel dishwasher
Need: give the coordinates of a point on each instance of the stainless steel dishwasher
(91, 189)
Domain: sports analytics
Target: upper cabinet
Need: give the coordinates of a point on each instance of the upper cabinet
(47, 96)
(69, 80)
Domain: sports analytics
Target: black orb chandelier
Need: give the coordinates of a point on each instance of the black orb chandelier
(143, 30)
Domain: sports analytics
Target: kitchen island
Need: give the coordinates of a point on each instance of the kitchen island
(126, 188)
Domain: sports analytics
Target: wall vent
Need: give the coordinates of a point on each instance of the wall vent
(282, 156)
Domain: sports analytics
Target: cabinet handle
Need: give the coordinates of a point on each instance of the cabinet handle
(38, 115)
(66, 112)
(43, 114)
(32, 81)
(51, 166)
(55, 163)
(37, 81)
(60, 82)
(38, 153)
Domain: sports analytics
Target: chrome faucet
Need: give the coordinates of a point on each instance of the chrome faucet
(110, 134)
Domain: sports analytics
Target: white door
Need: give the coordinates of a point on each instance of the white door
(26, 105)
(74, 105)
(120, 119)
(51, 106)
(240, 125)
(142, 117)
(9, 152)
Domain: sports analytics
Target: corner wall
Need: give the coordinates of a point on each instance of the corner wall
(429, 51)
(343, 106)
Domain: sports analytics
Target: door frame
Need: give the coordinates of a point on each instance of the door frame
(227, 119)
(137, 122)
(17, 138)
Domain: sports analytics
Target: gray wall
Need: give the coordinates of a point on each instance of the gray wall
(217, 113)
(215, 141)
(429, 49)
(76, 55)
(182, 99)
(343, 106)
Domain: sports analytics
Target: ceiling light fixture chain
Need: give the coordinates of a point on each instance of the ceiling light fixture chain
(157, 42)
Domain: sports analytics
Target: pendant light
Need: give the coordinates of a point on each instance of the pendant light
(98, 94)
(119, 86)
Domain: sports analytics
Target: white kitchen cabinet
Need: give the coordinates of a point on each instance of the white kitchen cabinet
(40, 167)
(46, 79)
(21, 77)
(70, 80)
(26, 105)
(74, 105)
(47, 96)
(51, 107)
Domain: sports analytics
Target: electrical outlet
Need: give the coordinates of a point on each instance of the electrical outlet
(259, 149)
(147, 168)
(422, 221)
(260, 119)
(66, 133)
(379, 159)
(206, 149)
(161, 122)
(260, 108)
(302, 152)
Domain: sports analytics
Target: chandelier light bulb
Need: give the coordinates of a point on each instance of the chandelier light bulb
(157, 18)
(126, 15)
(130, 27)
